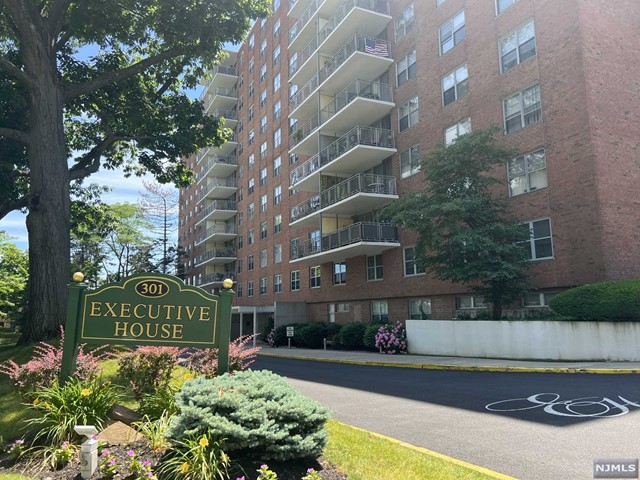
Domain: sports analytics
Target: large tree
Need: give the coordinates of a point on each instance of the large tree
(99, 83)
(465, 232)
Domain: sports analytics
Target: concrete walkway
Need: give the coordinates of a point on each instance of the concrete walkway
(451, 363)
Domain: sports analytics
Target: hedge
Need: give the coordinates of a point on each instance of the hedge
(606, 301)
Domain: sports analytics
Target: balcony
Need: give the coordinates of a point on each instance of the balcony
(363, 238)
(224, 150)
(230, 117)
(360, 102)
(356, 195)
(215, 277)
(359, 150)
(219, 99)
(218, 233)
(219, 210)
(215, 165)
(221, 76)
(216, 256)
(217, 188)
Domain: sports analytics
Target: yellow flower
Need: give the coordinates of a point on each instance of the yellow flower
(36, 402)
(85, 392)
(184, 468)
(187, 376)
(224, 457)
(47, 406)
(204, 442)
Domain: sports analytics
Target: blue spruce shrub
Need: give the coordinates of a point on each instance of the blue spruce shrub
(253, 412)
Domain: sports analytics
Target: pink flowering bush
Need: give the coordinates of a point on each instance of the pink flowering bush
(240, 357)
(43, 369)
(392, 339)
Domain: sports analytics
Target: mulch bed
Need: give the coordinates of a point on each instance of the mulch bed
(285, 470)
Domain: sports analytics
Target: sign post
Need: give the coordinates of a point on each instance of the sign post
(147, 309)
(290, 333)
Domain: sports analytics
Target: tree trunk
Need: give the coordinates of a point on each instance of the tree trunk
(48, 221)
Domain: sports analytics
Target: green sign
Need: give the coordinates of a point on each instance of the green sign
(147, 309)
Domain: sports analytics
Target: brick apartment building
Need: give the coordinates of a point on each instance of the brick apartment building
(332, 103)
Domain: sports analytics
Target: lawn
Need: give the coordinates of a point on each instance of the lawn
(361, 455)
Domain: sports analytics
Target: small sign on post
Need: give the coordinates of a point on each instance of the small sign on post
(290, 332)
(147, 309)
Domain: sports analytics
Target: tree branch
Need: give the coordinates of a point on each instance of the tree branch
(90, 161)
(56, 16)
(16, 73)
(73, 91)
(16, 135)
(9, 206)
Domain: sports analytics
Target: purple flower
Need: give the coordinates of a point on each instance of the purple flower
(146, 463)
(112, 462)
(19, 442)
(105, 452)
(131, 453)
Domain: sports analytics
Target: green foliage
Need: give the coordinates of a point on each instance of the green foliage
(158, 402)
(255, 412)
(57, 456)
(154, 430)
(59, 408)
(196, 457)
(617, 301)
(369, 337)
(464, 231)
(352, 336)
(311, 335)
(280, 334)
(148, 369)
(14, 272)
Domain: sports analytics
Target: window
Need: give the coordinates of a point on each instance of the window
(404, 23)
(410, 266)
(455, 85)
(277, 283)
(252, 136)
(502, 5)
(277, 195)
(263, 230)
(340, 273)
(240, 125)
(240, 101)
(454, 131)
(294, 248)
(469, 301)
(276, 83)
(252, 65)
(314, 277)
(250, 263)
(276, 53)
(277, 110)
(293, 158)
(240, 242)
(263, 285)
(276, 29)
(263, 176)
(251, 186)
(263, 73)
(250, 113)
(295, 280)
(314, 243)
(410, 161)
(522, 109)
(263, 203)
(379, 311)
(240, 150)
(277, 253)
(263, 151)
(239, 266)
(250, 237)
(263, 98)
(408, 115)
(263, 45)
(277, 224)
(374, 267)
(277, 166)
(406, 68)
(277, 138)
(250, 288)
(263, 258)
(527, 173)
(276, 5)
(240, 217)
(250, 211)
(240, 85)
(239, 290)
(518, 46)
(263, 23)
(535, 299)
(420, 309)
(539, 245)
(251, 41)
(452, 33)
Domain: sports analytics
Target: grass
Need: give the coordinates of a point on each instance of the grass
(359, 454)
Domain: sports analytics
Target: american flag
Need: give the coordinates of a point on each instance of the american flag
(376, 47)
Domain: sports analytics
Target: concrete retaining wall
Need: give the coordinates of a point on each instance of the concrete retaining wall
(546, 340)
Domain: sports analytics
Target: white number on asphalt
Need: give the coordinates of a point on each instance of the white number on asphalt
(577, 407)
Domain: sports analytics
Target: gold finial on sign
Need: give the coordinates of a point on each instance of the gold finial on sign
(78, 277)
(227, 283)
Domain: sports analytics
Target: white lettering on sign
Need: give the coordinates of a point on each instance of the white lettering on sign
(584, 407)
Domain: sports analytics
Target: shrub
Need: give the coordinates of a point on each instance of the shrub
(332, 330)
(153, 430)
(153, 405)
(59, 408)
(44, 368)
(149, 368)
(280, 334)
(392, 339)
(255, 412)
(240, 357)
(369, 337)
(267, 329)
(311, 335)
(352, 336)
(615, 301)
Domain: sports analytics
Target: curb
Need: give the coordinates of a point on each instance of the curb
(431, 453)
(463, 368)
